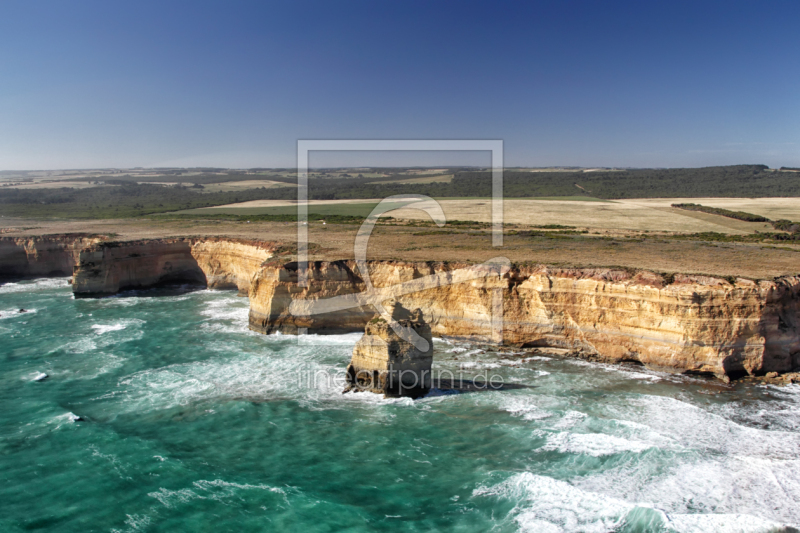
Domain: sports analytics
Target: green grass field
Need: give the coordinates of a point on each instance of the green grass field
(543, 198)
(362, 209)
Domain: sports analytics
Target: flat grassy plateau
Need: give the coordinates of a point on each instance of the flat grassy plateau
(561, 217)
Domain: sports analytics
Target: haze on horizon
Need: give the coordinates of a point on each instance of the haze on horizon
(186, 84)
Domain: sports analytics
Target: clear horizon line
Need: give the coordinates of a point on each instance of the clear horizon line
(619, 167)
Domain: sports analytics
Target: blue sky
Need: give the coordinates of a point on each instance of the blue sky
(94, 84)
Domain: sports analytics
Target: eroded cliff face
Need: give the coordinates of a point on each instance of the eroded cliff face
(692, 323)
(686, 323)
(386, 363)
(107, 268)
(46, 255)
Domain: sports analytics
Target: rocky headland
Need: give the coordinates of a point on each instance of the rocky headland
(104, 268)
(44, 256)
(729, 327)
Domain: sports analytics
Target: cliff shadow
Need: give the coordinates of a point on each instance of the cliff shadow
(112, 268)
(164, 289)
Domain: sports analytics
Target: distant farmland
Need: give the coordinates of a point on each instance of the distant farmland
(580, 212)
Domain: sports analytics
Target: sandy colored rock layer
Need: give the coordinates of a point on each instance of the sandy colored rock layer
(387, 363)
(107, 268)
(48, 255)
(726, 327)
(689, 323)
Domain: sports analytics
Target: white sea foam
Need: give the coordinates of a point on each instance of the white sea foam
(525, 407)
(643, 375)
(594, 444)
(32, 376)
(718, 485)
(707, 430)
(285, 369)
(227, 315)
(545, 504)
(721, 523)
(710, 468)
(229, 308)
(230, 486)
(216, 489)
(642, 432)
(781, 411)
(79, 346)
(100, 329)
(570, 419)
(479, 365)
(135, 522)
(222, 327)
(136, 297)
(14, 313)
(173, 498)
(707, 464)
(34, 285)
(313, 339)
(639, 373)
(94, 366)
(98, 350)
(62, 419)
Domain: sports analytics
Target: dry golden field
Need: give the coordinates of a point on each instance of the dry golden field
(774, 208)
(442, 178)
(52, 185)
(425, 171)
(621, 215)
(231, 186)
(639, 215)
(282, 203)
(335, 241)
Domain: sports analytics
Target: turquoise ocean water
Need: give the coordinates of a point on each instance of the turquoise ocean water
(193, 423)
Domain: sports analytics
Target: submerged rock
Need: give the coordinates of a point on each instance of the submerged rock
(386, 363)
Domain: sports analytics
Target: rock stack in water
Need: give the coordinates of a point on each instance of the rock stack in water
(385, 363)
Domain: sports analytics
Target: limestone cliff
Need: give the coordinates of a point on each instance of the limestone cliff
(386, 363)
(108, 267)
(689, 323)
(46, 255)
(686, 323)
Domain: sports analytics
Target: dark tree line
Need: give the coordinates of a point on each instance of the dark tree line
(132, 199)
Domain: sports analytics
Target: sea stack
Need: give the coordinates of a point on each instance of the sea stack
(385, 363)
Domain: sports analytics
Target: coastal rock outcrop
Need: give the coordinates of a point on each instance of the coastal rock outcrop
(43, 256)
(386, 363)
(688, 323)
(221, 263)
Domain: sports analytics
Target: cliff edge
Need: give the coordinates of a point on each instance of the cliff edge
(686, 323)
(220, 263)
